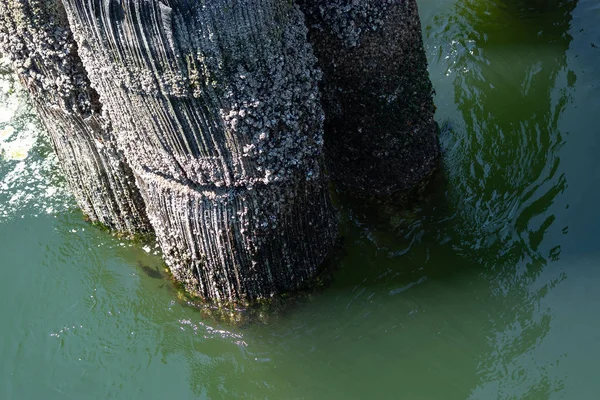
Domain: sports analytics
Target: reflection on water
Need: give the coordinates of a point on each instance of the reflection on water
(485, 289)
(505, 172)
(506, 158)
(509, 71)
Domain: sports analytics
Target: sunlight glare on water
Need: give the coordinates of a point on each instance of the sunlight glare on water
(29, 176)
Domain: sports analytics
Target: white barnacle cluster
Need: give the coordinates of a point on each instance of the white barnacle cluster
(174, 84)
(48, 63)
(276, 110)
(349, 19)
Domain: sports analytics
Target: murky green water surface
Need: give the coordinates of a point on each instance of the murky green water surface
(488, 289)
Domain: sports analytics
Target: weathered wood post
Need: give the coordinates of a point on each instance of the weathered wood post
(35, 35)
(217, 109)
(381, 138)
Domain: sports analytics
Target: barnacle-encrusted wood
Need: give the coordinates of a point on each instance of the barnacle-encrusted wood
(381, 138)
(217, 109)
(35, 36)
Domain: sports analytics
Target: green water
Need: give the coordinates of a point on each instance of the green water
(488, 289)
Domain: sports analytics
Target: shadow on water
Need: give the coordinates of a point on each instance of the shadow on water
(490, 212)
(501, 169)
